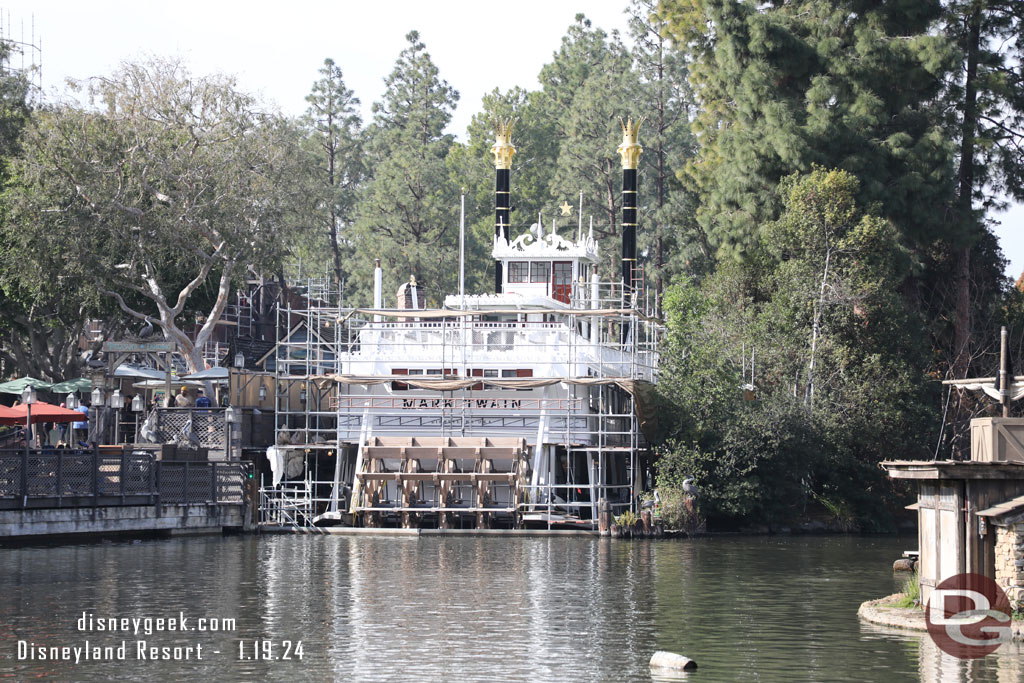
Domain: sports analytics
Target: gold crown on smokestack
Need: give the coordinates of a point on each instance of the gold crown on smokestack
(629, 150)
(502, 148)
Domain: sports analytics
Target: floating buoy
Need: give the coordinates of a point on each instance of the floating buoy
(670, 660)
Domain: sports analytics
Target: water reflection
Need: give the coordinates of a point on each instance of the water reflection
(486, 608)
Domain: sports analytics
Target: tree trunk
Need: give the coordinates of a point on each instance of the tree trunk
(962, 274)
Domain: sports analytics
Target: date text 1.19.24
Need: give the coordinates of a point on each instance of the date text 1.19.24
(269, 650)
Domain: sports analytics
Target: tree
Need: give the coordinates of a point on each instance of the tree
(43, 307)
(841, 362)
(671, 237)
(334, 121)
(169, 191)
(471, 165)
(987, 97)
(783, 86)
(586, 88)
(408, 210)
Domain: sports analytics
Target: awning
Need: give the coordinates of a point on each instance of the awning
(136, 371)
(16, 386)
(72, 385)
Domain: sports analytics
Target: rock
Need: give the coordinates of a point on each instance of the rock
(670, 660)
(904, 564)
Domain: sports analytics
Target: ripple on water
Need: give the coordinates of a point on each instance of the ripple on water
(485, 608)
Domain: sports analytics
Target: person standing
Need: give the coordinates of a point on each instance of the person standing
(84, 424)
(182, 400)
(202, 401)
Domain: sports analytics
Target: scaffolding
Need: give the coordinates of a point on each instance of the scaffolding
(462, 417)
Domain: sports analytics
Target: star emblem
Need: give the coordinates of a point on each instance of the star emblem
(566, 209)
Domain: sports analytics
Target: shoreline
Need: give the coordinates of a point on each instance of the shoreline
(881, 612)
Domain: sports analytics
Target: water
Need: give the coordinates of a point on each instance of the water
(479, 608)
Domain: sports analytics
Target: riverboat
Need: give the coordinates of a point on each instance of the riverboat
(522, 407)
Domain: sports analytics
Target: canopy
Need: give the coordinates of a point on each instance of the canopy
(135, 371)
(160, 384)
(41, 412)
(217, 373)
(16, 386)
(6, 413)
(72, 385)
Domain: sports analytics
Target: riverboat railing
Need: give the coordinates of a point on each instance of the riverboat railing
(64, 478)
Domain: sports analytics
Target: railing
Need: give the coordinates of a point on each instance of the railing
(207, 425)
(90, 478)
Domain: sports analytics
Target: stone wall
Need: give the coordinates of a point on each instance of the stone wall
(1010, 562)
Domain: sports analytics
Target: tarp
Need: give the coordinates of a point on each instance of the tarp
(16, 386)
(988, 385)
(41, 412)
(433, 313)
(213, 374)
(72, 385)
(644, 394)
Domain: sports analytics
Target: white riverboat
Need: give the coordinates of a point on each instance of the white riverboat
(520, 407)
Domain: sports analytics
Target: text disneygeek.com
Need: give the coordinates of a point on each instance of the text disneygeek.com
(179, 625)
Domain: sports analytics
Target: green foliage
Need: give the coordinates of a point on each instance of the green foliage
(788, 85)
(408, 210)
(840, 366)
(911, 595)
(163, 197)
(335, 163)
(627, 519)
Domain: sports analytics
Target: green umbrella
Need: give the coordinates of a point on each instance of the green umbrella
(80, 384)
(16, 386)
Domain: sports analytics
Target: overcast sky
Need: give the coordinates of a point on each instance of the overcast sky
(275, 49)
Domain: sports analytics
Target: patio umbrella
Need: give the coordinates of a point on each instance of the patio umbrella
(72, 385)
(16, 386)
(41, 412)
(8, 413)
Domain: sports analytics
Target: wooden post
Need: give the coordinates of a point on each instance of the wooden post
(604, 516)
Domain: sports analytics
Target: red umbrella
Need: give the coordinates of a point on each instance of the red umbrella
(41, 412)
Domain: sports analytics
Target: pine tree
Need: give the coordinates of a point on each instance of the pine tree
(668, 233)
(408, 211)
(783, 86)
(987, 96)
(586, 88)
(334, 122)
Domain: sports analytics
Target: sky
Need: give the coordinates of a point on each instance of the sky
(275, 49)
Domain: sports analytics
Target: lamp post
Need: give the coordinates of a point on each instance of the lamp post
(68, 434)
(233, 418)
(138, 405)
(28, 397)
(94, 413)
(239, 365)
(117, 403)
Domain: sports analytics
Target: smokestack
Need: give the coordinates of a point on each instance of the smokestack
(630, 151)
(502, 150)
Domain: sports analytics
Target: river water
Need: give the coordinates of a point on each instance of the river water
(472, 608)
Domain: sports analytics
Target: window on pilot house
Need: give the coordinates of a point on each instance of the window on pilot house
(518, 271)
(539, 271)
